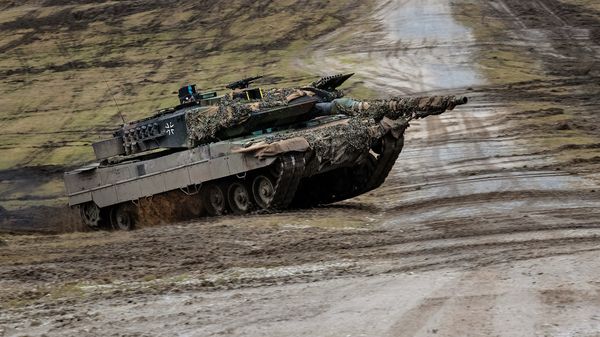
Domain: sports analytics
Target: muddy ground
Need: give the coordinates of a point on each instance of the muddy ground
(488, 225)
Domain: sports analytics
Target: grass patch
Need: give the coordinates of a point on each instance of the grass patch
(590, 4)
(501, 64)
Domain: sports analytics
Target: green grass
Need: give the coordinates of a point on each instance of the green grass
(499, 63)
(591, 4)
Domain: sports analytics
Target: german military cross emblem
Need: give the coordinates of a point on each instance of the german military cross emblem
(170, 128)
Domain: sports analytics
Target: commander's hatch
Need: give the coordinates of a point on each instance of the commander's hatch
(188, 96)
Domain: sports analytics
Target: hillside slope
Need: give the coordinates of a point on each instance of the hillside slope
(62, 61)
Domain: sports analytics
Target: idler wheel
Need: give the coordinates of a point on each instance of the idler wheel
(263, 190)
(124, 216)
(92, 215)
(239, 198)
(213, 199)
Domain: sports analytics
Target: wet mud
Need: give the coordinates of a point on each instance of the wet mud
(486, 225)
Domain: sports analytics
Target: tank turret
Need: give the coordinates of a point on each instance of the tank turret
(202, 117)
(205, 117)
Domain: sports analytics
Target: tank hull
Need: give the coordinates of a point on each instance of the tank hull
(107, 186)
(296, 166)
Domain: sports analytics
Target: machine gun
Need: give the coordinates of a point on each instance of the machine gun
(243, 83)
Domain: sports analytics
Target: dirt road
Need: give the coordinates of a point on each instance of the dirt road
(487, 225)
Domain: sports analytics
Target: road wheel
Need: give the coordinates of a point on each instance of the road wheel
(239, 198)
(213, 199)
(124, 216)
(92, 215)
(263, 189)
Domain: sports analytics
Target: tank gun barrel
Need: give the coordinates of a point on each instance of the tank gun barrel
(460, 100)
(398, 107)
(437, 105)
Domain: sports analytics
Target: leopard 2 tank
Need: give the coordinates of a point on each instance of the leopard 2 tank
(249, 149)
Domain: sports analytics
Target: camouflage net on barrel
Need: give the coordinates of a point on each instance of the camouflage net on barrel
(395, 108)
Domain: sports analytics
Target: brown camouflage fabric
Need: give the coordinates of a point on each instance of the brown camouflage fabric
(345, 140)
(203, 124)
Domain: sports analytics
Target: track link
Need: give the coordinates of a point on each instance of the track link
(291, 168)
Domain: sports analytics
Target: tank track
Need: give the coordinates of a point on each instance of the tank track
(380, 170)
(318, 190)
(291, 168)
(391, 150)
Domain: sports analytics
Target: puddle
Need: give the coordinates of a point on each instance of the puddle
(420, 48)
(436, 48)
(423, 20)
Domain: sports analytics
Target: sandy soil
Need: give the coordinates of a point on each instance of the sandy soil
(488, 225)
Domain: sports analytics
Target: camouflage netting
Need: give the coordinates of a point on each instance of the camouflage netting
(336, 143)
(369, 121)
(204, 124)
(399, 107)
(332, 143)
(350, 138)
(342, 141)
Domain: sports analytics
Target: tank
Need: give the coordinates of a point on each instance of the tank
(250, 149)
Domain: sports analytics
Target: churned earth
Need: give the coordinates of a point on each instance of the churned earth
(488, 225)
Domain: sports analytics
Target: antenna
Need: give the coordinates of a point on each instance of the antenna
(114, 100)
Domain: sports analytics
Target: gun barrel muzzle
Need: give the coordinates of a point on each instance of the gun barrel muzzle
(460, 100)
